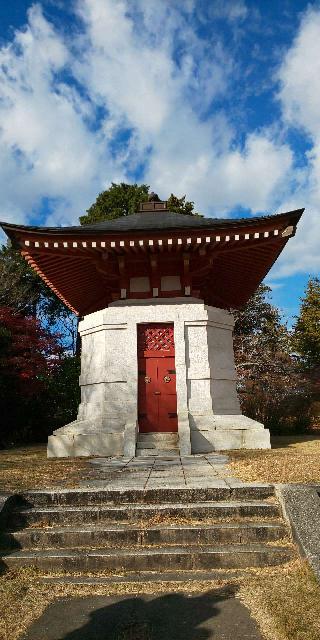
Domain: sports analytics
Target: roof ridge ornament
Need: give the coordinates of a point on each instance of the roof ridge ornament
(153, 204)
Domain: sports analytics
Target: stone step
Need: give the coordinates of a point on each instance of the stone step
(161, 446)
(173, 577)
(119, 535)
(51, 516)
(75, 497)
(167, 436)
(151, 559)
(156, 452)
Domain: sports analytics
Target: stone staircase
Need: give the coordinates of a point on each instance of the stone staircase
(152, 535)
(157, 444)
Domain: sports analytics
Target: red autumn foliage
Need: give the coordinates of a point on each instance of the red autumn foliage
(28, 353)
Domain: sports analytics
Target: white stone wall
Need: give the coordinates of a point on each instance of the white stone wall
(209, 416)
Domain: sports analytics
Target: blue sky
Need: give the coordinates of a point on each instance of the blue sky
(213, 99)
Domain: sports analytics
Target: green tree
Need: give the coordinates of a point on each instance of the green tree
(20, 286)
(259, 318)
(124, 200)
(117, 201)
(23, 290)
(306, 331)
(181, 205)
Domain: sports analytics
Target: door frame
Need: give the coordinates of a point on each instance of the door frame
(156, 355)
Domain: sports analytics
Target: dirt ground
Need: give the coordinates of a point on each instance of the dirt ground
(29, 468)
(291, 459)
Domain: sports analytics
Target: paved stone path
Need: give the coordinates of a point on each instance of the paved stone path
(153, 472)
(166, 616)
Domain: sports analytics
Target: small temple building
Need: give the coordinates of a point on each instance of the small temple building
(155, 292)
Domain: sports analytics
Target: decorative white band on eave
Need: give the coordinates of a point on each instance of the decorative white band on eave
(287, 232)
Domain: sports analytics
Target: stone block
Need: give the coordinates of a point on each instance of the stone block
(130, 439)
(224, 397)
(60, 446)
(256, 439)
(236, 422)
(96, 444)
(101, 444)
(204, 441)
(96, 425)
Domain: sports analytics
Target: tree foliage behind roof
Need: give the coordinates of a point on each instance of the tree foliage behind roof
(23, 290)
(307, 327)
(124, 200)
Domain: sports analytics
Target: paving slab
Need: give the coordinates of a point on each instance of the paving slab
(214, 615)
(160, 471)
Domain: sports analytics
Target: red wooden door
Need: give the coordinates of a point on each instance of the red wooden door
(157, 397)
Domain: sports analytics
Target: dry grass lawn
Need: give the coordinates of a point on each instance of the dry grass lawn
(291, 459)
(285, 601)
(29, 468)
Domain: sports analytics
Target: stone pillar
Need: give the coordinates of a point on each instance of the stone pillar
(215, 416)
(209, 416)
(106, 404)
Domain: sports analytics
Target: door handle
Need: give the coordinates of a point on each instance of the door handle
(157, 393)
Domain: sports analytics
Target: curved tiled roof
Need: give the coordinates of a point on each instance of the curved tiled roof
(154, 221)
(220, 261)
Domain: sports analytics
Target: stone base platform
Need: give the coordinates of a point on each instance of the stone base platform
(207, 434)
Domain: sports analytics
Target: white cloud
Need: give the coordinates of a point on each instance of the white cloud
(299, 78)
(233, 10)
(158, 79)
(47, 150)
(140, 84)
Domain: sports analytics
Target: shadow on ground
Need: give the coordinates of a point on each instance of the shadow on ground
(281, 442)
(173, 616)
